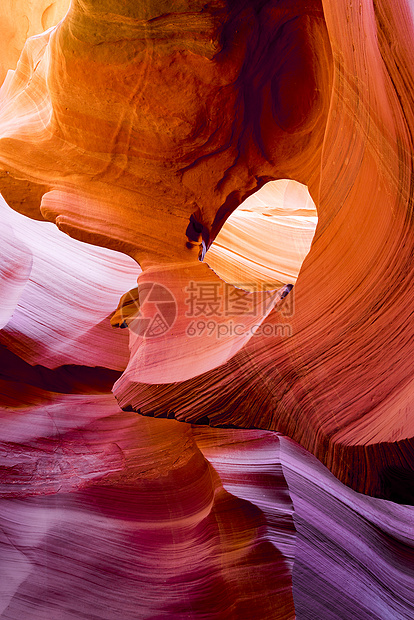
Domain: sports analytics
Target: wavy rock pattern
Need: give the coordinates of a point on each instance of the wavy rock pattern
(354, 554)
(140, 127)
(103, 511)
(51, 325)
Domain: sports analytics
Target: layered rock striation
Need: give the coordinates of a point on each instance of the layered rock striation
(138, 129)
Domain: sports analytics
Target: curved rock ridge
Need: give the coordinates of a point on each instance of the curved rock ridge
(59, 294)
(104, 512)
(354, 554)
(188, 321)
(333, 370)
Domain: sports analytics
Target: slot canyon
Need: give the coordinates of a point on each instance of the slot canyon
(206, 321)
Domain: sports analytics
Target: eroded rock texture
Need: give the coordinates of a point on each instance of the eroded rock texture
(104, 511)
(138, 128)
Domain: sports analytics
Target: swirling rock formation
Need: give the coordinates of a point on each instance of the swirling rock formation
(105, 512)
(352, 551)
(49, 325)
(140, 127)
(131, 163)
